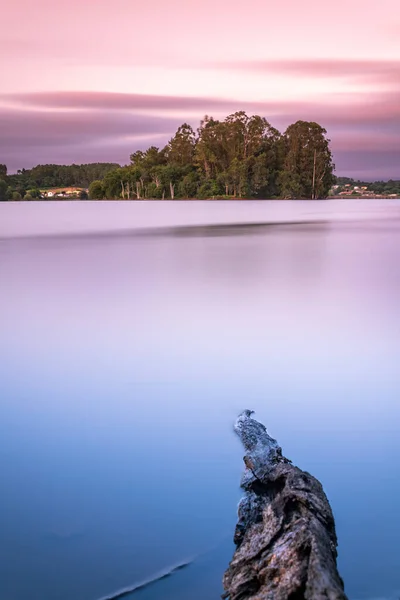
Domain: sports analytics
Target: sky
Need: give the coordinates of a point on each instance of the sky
(85, 82)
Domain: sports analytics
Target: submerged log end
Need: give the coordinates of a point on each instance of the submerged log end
(285, 536)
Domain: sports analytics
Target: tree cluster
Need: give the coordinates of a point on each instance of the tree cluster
(239, 157)
(27, 183)
(378, 187)
(3, 183)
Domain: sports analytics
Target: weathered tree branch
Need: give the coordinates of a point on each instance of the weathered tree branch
(285, 535)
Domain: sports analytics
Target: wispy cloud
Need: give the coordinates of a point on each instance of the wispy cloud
(360, 71)
(378, 108)
(30, 137)
(70, 127)
(114, 101)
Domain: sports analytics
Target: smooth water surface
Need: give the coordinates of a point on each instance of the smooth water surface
(125, 359)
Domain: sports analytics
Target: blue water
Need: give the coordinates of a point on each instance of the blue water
(124, 361)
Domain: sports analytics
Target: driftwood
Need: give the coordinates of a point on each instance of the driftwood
(285, 535)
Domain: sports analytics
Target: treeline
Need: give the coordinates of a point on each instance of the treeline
(29, 182)
(239, 157)
(378, 187)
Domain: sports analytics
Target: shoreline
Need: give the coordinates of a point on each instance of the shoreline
(216, 199)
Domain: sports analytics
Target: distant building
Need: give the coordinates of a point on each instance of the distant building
(65, 192)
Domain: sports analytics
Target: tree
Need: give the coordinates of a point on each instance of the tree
(34, 193)
(83, 195)
(180, 149)
(144, 169)
(208, 152)
(308, 166)
(208, 189)
(47, 176)
(189, 184)
(290, 185)
(112, 183)
(96, 190)
(3, 172)
(239, 153)
(3, 190)
(172, 176)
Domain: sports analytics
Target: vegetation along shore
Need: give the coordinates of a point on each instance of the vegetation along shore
(239, 157)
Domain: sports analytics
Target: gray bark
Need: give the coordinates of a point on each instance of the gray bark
(285, 536)
(313, 179)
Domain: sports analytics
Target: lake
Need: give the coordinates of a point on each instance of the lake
(133, 333)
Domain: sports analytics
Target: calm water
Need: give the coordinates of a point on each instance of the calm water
(124, 360)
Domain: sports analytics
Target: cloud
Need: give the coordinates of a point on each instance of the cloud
(363, 140)
(116, 152)
(368, 164)
(373, 112)
(350, 109)
(360, 71)
(29, 128)
(29, 137)
(114, 101)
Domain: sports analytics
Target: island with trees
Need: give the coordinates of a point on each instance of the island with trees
(239, 157)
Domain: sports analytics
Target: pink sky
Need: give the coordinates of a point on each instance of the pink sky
(85, 82)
